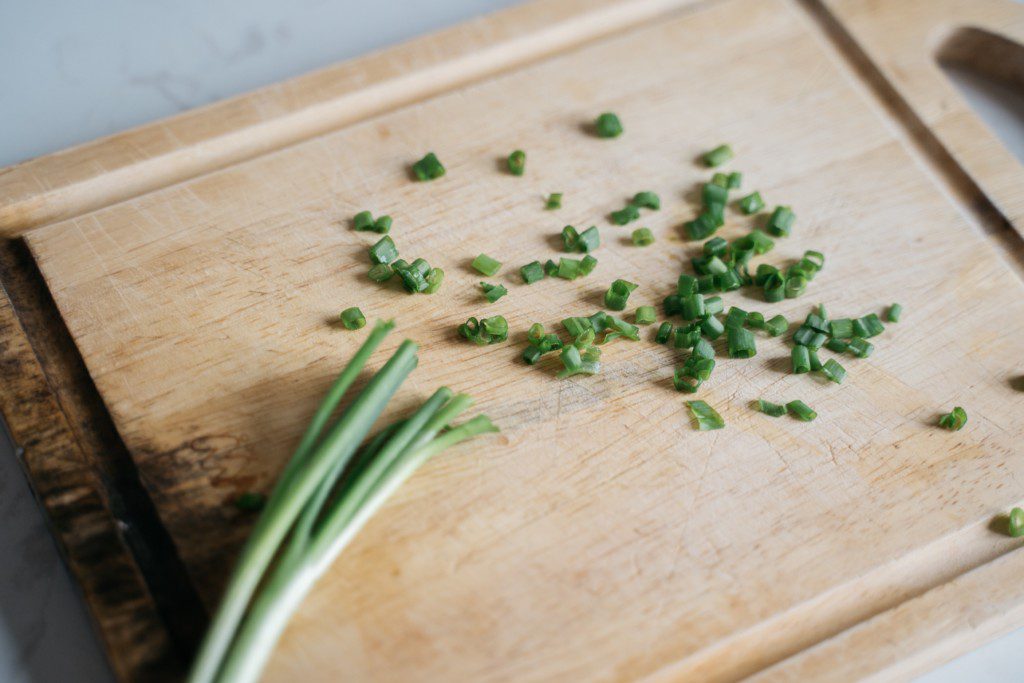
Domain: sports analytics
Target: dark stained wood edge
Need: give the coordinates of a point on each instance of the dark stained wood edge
(145, 609)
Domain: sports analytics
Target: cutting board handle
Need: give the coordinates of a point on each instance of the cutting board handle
(910, 41)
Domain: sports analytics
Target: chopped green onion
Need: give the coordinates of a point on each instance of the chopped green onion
(587, 265)
(693, 307)
(706, 416)
(428, 168)
(493, 292)
(589, 239)
(769, 408)
(487, 331)
(682, 382)
(801, 358)
(837, 345)
(712, 327)
(686, 286)
(893, 315)
(568, 268)
(815, 362)
(834, 371)
(705, 284)
(752, 203)
(485, 265)
(955, 420)
(740, 343)
(551, 268)
(643, 237)
(532, 272)
(250, 501)
(384, 251)
(353, 318)
(531, 355)
(517, 162)
(577, 326)
(382, 225)
(716, 246)
(434, 279)
(664, 332)
(703, 349)
(687, 337)
(718, 156)
(414, 275)
(713, 305)
(625, 215)
(363, 221)
(781, 221)
(737, 317)
(554, 201)
(570, 237)
(860, 347)
(757, 240)
(774, 288)
(621, 328)
(702, 226)
(380, 272)
(714, 195)
(755, 320)
(801, 410)
(728, 281)
(776, 326)
(698, 367)
(646, 315)
(871, 324)
(608, 125)
(618, 293)
(1016, 522)
(841, 328)
(735, 180)
(647, 200)
(794, 286)
(720, 179)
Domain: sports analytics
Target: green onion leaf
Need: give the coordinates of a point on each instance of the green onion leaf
(532, 272)
(485, 265)
(428, 168)
(643, 237)
(587, 265)
(646, 315)
(617, 295)
(769, 408)
(706, 416)
(801, 358)
(893, 315)
(646, 200)
(625, 215)
(664, 332)
(568, 268)
(780, 223)
(382, 225)
(735, 180)
(834, 371)
(776, 326)
(801, 410)
(434, 279)
(554, 201)
(363, 221)
(737, 317)
(712, 327)
(487, 331)
(380, 272)
(493, 292)
(740, 343)
(860, 347)
(841, 328)
(693, 307)
(713, 305)
(752, 203)
(517, 162)
(955, 420)
(384, 251)
(718, 156)
(1016, 522)
(570, 238)
(608, 125)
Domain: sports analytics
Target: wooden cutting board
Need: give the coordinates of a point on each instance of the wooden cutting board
(195, 264)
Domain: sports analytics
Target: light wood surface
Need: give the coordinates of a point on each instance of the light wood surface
(598, 537)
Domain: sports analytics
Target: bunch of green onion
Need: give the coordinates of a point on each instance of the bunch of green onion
(329, 489)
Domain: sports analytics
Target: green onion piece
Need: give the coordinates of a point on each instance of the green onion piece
(577, 326)
(705, 284)
(763, 273)
(716, 246)
(728, 281)
(801, 358)
(713, 305)
(687, 337)
(493, 292)
(551, 268)
(589, 240)
(834, 371)
(686, 286)
(720, 179)
(554, 201)
(382, 225)
(815, 258)
(769, 408)
(893, 315)
(664, 332)
(621, 328)
(485, 265)
(837, 345)
(706, 416)
(571, 358)
(673, 304)
(815, 361)
(780, 223)
(682, 382)
(699, 367)
(860, 328)
(608, 126)
(363, 221)
(841, 328)
(752, 203)
(568, 268)
(735, 180)
(531, 355)
(702, 226)
(955, 420)
(617, 295)
(532, 272)
(413, 276)
(380, 272)
(487, 331)
(801, 410)
(703, 349)
(823, 314)
(647, 200)
(860, 347)
(251, 501)
(587, 265)
(434, 279)
(535, 333)
(737, 317)
(817, 323)
(1016, 522)
(872, 325)
(643, 237)
(775, 288)
(740, 343)
(794, 286)
(693, 307)
(776, 326)
(517, 162)
(384, 251)
(755, 320)
(804, 335)
(718, 156)
(646, 315)
(353, 318)
(757, 240)
(428, 168)
(712, 327)
(570, 238)
(714, 195)
(625, 215)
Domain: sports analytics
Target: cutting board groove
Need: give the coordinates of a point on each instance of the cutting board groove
(195, 218)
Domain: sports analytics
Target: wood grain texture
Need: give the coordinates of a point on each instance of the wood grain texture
(908, 40)
(598, 537)
(121, 166)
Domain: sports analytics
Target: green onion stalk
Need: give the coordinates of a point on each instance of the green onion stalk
(328, 490)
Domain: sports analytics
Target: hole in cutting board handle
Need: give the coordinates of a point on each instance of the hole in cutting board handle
(988, 71)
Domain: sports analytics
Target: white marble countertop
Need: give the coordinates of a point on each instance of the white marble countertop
(72, 71)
